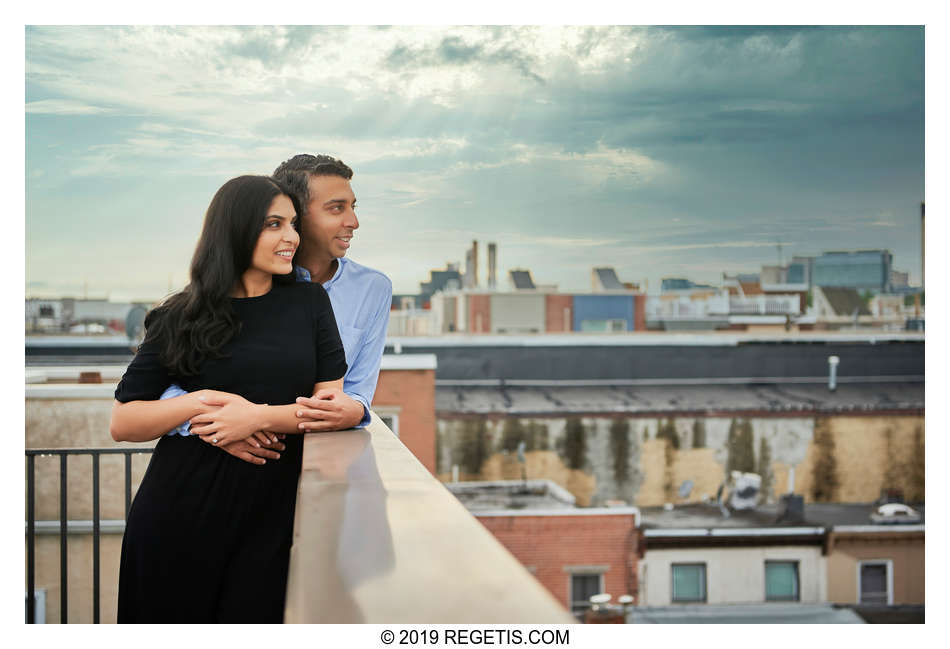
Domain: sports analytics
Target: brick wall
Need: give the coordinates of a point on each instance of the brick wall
(640, 312)
(554, 306)
(550, 545)
(479, 314)
(413, 392)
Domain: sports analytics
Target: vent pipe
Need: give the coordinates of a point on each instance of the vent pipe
(492, 252)
(833, 372)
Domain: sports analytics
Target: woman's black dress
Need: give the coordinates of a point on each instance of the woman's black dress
(208, 535)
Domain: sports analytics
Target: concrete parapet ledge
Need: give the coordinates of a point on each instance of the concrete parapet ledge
(378, 539)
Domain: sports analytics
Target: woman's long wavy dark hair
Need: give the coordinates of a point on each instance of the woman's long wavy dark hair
(195, 323)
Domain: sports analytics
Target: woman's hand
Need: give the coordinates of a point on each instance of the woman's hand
(234, 419)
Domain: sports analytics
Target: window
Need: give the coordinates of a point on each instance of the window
(390, 416)
(392, 421)
(582, 588)
(609, 325)
(874, 582)
(689, 582)
(781, 581)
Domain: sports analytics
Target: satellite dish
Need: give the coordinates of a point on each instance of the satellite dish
(685, 488)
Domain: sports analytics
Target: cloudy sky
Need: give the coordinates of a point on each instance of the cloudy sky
(660, 151)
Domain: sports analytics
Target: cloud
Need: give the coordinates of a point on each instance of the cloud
(63, 107)
(710, 245)
(578, 133)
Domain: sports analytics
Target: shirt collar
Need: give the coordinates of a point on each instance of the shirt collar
(303, 275)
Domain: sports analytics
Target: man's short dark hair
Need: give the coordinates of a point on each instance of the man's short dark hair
(295, 173)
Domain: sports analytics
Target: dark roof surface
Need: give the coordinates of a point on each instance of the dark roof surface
(787, 399)
(521, 279)
(845, 301)
(580, 361)
(608, 278)
(708, 515)
(770, 613)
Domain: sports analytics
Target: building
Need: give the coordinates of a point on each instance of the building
(669, 284)
(693, 554)
(64, 315)
(899, 280)
(628, 418)
(533, 310)
(873, 560)
(447, 278)
(574, 552)
(846, 554)
(862, 269)
(839, 308)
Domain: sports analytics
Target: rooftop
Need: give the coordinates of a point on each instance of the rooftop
(771, 613)
(708, 516)
(655, 396)
(511, 494)
(845, 301)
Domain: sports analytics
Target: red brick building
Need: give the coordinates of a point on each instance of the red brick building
(405, 400)
(574, 552)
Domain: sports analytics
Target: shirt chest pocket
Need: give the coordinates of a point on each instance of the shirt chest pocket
(351, 337)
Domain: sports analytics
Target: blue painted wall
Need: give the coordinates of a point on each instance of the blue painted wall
(603, 307)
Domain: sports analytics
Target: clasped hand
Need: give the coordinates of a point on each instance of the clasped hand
(328, 409)
(228, 418)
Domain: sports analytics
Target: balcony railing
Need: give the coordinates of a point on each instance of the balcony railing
(65, 523)
(376, 539)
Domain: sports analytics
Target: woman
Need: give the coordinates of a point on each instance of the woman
(208, 535)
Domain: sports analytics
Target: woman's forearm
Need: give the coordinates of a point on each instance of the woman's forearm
(143, 421)
(284, 419)
(279, 419)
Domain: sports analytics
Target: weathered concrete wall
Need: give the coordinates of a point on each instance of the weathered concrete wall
(645, 460)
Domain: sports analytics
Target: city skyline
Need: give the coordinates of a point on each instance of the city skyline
(663, 152)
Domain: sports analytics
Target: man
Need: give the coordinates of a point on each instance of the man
(361, 298)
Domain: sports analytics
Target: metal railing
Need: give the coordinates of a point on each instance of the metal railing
(95, 454)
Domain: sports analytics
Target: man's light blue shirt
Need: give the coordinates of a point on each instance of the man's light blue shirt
(361, 298)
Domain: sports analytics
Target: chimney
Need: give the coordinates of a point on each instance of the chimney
(492, 251)
(791, 509)
(474, 264)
